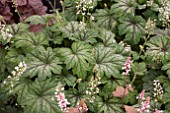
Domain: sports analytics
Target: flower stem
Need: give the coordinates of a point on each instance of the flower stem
(134, 78)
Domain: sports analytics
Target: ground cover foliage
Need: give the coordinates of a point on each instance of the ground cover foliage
(96, 56)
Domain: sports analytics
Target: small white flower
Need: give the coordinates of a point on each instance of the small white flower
(13, 73)
(16, 68)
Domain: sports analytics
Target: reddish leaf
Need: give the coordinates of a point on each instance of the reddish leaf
(36, 28)
(51, 21)
(5, 12)
(21, 2)
(120, 92)
(130, 109)
(38, 6)
(129, 87)
(74, 110)
(3, 1)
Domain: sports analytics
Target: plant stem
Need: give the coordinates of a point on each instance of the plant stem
(134, 77)
(144, 43)
(51, 5)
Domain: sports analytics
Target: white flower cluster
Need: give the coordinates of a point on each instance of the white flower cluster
(150, 26)
(164, 12)
(158, 91)
(5, 33)
(82, 26)
(125, 45)
(84, 6)
(149, 2)
(19, 70)
(15, 5)
(59, 88)
(11, 80)
(92, 88)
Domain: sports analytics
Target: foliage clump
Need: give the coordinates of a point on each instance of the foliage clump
(95, 56)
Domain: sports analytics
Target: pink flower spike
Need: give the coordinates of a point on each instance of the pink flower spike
(145, 106)
(141, 95)
(62, 102)
(127, 66)
(158, 111)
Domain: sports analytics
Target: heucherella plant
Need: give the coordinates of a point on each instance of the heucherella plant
(95, 56)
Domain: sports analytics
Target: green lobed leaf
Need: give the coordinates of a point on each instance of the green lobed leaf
(148, 79)
(139, 68)
(10, 109)
(35, 19)
(18, 29)
(14, 55)
(29, 39)
(110, 84)
(162, 32)
(158, 48)
(73, 32)
(107, 62)
(42, 62)
(122, 7)
(78, 58)
(39, 98)
(107, 37)
(66, 77)
(166, 67)
(22, 88)
(109, 105)
(75, 95)
(105, 18)
(132, 27)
